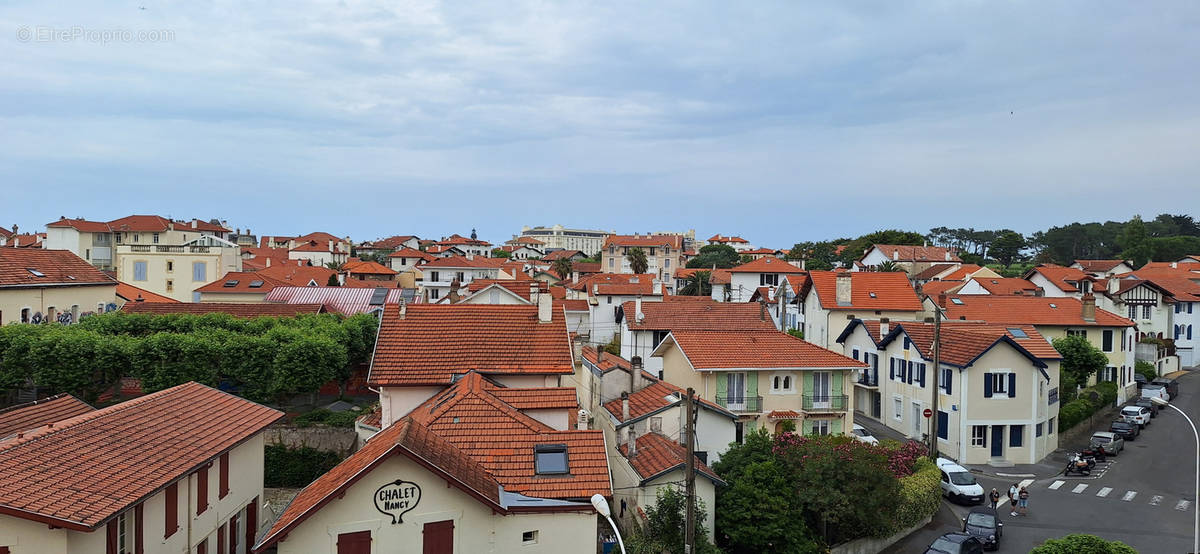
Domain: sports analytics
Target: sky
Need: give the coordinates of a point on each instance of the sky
(778, 122)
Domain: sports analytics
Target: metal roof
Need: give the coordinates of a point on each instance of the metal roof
(345, 300)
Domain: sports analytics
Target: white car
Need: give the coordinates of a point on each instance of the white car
(863, 435)
(1137, 415)
(1155, 391)
(958, 484)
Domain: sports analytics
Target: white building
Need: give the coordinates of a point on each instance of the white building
(835, 298)
(747, 278)
(643, 325)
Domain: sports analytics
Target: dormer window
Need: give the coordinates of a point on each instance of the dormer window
(550, 459)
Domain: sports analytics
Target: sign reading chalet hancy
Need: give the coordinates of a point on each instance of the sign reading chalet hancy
(397, 498)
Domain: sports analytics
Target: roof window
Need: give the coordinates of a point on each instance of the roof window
(1053, 305)
(1017, 333)
(872, 294)
(230, 284)
(35, 272)
(256, 284)
(550, 459)
(957, 301)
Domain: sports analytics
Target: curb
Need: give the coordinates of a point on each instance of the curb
(1016, 475)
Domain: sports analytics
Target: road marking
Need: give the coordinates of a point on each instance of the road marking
(1183, 505)
(1129, 496)
(1056, 484)
(1155, 500)
(1079, 488)
(1104, 492)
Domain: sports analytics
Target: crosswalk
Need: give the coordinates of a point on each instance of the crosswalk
(1086, 489)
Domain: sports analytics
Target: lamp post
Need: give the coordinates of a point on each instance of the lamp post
(601, 506)
(1196, 513)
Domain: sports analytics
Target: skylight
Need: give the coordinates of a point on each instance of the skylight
(872, 294)
(550, 459)
(957, 301)
(1053, 305)
(35, 272)
(256, 284)
(1017, 333)
(231, 283)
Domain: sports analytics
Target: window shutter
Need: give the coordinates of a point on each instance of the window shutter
(892, 368)
(949, 381)
(221, 539)
(138, 530)
(987, 385)
(110, 540)
(855, 353)
(251, 521)
(1012, 385)
(201, 490)
(172, 510)
(922, 374)
(911, 371)
(223, 476)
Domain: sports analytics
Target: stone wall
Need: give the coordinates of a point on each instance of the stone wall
(871, 545)
(340, 440)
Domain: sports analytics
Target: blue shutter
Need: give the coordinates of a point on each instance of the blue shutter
(139, 271)
(892, 368)
(949, 381)
(921, 369)
(1012, 385)
(855, 353)
(910, 372)
(943, 422)
(987, 385)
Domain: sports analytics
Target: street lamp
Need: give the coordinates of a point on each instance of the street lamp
(601, 506)
(1196, 514)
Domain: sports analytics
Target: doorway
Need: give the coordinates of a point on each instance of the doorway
(997, 441)
(916, 420)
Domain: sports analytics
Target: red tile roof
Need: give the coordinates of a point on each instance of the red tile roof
(562, 254)
(1007, 285)
(131, 294)
(5, 232)
(891, 289)
(298, 275)
(645, 241)
(1181, 285)
(241, 281)
(432, 343)
(616, 284)
(82, 225)
(933, 271)
(1032, 310)
(57, 268)
(656, 455)
(652, 398)
(236, 309)
(541, 398)
(316, 246)
(963, 271)
(585, 268)
(140, 223)
(761, 252)
(707, 350)
(701, 315)
(456, 262)
(575, 305)
(411, 253)
(934, 288)
(608, 362)
(766, 264)
(1065, 278)
(31, 415)
(389, 243)
(908, 253)
(719, 238)
(201, 225)
(527, 240)
(963, 342)
(105, 461)
(407, 438)
(1101, 265)
(456, 239)
(366, 268)
(720, 277)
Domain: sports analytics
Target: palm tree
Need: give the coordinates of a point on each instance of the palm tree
(887, 266)
(562, 267)
(637, 260)
(697, 284)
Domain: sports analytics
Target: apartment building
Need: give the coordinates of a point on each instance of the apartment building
(558, 237)
(664, 254)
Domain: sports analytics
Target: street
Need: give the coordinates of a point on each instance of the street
(1144, 497)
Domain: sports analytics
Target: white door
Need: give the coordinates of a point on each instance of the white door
(821, 389)
(917, 416)
(735, 391)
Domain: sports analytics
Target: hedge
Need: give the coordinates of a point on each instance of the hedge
(1147, 370)
(326, 417)
(295, 467)
(920, 496)
(1090, 401)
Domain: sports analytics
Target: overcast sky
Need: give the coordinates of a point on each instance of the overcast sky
(777, 122)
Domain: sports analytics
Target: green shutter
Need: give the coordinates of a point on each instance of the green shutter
(808, 383)
(835, 383)
(722, 385)
(751, 384)
(835, 427)
(806, 427)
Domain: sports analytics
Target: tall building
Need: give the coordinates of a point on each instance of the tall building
(588, 241)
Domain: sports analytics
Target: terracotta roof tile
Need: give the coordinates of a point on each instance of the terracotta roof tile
(708, 350)
(891, 290)
(541, 398)
(367, 268)
(412, 253)
(933, 271)
(31, 415)
(585, 268)
(456, 239)
(701, 315)
(433, 343)
(1101, 265)
(963, 272)
(575, 305)
(455, 262)
(1007, 286)
(131, 294)
(616, 284)
(25, 241)
(655, 396)
(909, 253)
(107, 460)
(562, 254)
(236, 309)
(656, 454)
(1032, 310)
(726, 238)
(389, 243)
(1065, 278)
(140, 223)
(608, 362)
(82, 225)
(56, 267)
(766, 264)
(963, 342)
(240, 281)
(934, 288)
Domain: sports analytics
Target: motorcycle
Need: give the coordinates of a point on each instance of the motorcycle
(1098, 454)
(1076, 464)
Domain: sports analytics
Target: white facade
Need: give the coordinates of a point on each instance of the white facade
(558, 237)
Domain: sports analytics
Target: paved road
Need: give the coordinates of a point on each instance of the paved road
(1144, 497)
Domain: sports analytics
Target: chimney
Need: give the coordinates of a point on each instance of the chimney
(632, 441)
(470, 256)
(193, 223)
(656, 287)
(533, 293)
(454, 285)
(15, 229)
(1112, 283)
(268, 261)
(624, 406)
(638, 316)
(803, 262)
(1174, 265)
(895, 254)
(947, 255)
(843, 295)
(139, 298)
(581, 423)
(762, 309)
(545, 305)
(403, 308)
(635, 374)
(883, 326)
(941, 301)
(1089, 307)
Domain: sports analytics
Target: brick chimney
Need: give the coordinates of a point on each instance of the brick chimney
(1089, 307)
(843, 290)
(941, 300)
(545, 305)
(453, 295)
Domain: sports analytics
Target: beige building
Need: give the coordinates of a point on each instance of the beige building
(664, 254)
(558, 237)
(835, 298)
(180, 470)
(39, 285)
(766, 377)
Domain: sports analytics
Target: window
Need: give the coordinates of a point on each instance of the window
(820, 427)
(24, 315)
(433, 294)
(999, 384)
(201, 490)
(611, 261)
(667, 263)
(1050, 426)
(170, 286)
(943, 425)
(1146, 311)
(459, 275)
(898, 408)
(403, 261)
(529, 537)
(223, 477)
(855, 356)
(765, 279)
(155, 238)
(946, 383)
(656, 425)
(781, 383)
(1132, 311)
(979, 435)
(139, 271)
(550, 459)
(171, 515)
(787, 380)
(199, 271)
(1016, 435)
(1017, 333)
(1077, 333)
(118, 238)
(122, 536)
(739, 431)
(135, 237)
(1037, 430)
(433, 276)
(170, 265)
(1107, 340)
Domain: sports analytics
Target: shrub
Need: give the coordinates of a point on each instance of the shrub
(1108, 392)
(1147, 369)
(1071, 413)
(295, 467)
(920, 495)
(1079, 542)
(326, 417)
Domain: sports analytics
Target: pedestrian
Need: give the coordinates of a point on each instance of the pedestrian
(1023, 501)
(995, 497)
(1012, 498)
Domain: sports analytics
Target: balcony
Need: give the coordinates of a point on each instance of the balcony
(868, 379)
(824, 403)
(139, 247)
(741, 404)
(178, 249)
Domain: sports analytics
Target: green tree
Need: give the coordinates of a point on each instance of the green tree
(562, 267)
(857, 247)
(1080, 360)
(1169, 249)
(1007, 247)
(818, 256)
(637, 260)
(333, 281)
(500, 253)
(665, 522)
(1136, 243)
(721, 256)
(698, 284)
(1076, 543)
(888, 266)
(758, 510)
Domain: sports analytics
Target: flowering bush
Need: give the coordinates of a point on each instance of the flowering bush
(919, 497)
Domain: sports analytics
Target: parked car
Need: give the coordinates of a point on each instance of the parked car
(1128, 431)
(983, 523)
(1136, 414)
(860, 433)
(958, 484)
(1154, 390)
(1171, 385)
(955, 543)
(1140, 380)
(1147, 404)
(1112, 442)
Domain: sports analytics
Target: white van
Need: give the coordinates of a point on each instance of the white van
(1155, 391)
(958, 484)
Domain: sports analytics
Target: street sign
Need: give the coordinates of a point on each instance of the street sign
(928, 413)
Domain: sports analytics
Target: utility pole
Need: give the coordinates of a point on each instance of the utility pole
(937, 374)
(689, 533)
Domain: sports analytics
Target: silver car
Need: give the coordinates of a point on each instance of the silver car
(1112, 442)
